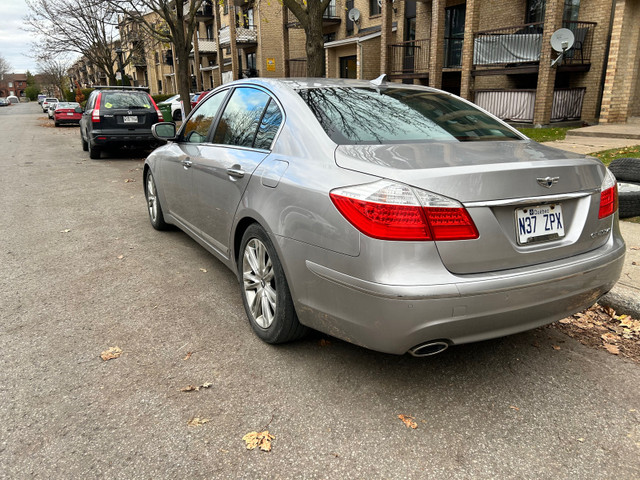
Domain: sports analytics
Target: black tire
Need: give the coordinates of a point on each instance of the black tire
(156, 217)
(177, 116)
(56, 124)
(85, 145)
(629, 200)
(626, 169)
(279, 323)
(94, 152)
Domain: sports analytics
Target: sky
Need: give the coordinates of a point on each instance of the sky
(15, 44)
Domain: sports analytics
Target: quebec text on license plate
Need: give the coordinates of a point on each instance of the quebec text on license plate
(132, 119)
(539, 223)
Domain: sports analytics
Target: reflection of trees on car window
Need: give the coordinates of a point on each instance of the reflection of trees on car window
(241, 117)
(197, 128)
(269, 125)
(390, 115)
(125, 100)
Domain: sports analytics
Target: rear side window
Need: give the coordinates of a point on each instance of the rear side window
(269, 125)
(399, 115)
(241, 117)
(125, 100)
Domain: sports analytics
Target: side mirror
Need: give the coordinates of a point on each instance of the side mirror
(164, 131)
(78, 110)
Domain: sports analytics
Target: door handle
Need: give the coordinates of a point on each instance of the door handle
(235, 172)
(187, 163)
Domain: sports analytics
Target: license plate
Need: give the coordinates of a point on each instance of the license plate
(539, 223)
(130, 119)
(69, 113)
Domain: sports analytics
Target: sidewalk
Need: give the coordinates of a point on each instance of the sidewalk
(600, 137)
(625, 296)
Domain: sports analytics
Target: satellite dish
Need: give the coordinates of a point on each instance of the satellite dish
(354, 14)
(562, 40)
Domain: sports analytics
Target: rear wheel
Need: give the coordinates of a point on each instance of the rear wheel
(265, 292)
(85, 145)
(94, 152)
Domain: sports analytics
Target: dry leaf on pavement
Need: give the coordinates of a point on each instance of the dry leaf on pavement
(203, 270)
(555, 347)
(120, 257)
(408, 421)
(612, 349)
(113, 352)
(324, 343)
(197, 422)
(261, 440)
(187, 356)
(66, 230)
(192, 388)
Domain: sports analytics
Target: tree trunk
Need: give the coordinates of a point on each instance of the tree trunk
(183, 74)
(314, 44)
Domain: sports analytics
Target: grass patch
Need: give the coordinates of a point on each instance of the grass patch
(607, 156)
(546, 134)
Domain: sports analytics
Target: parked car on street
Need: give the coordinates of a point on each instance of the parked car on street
(46, 101)
(4, 102)
(67, 112)
(41, 97)
(176, 106)
(13, 99)
(118, 117)
(396, 217)
(196, 97)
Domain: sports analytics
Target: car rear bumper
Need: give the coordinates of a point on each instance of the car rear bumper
(393, 319)
(67, 120)
(113, 138)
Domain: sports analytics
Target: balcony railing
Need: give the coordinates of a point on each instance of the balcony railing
(243, 35)
(409, 57)
(522, 44)
(331, 11)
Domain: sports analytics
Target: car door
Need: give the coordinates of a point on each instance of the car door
(226, 164)
(179, 158)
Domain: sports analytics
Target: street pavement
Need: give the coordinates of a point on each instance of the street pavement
(81, 270)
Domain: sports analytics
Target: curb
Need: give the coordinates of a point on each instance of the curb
(623, 300)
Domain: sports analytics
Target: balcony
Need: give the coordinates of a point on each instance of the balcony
(409, 59)
(206, 11)
(244, 35)
(516, 49)
(138, 61)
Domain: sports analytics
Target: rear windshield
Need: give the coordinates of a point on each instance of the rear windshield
(126, 100)
(363, 115)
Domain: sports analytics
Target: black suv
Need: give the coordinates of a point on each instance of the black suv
(117, 117)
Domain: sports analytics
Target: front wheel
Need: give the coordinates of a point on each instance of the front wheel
(265, 292)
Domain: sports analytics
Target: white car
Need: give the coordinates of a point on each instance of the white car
(46, 102)
(176, 107)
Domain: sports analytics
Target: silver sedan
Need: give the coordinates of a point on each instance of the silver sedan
(396, 217)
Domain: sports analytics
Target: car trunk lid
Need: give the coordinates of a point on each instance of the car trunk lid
(494, 180)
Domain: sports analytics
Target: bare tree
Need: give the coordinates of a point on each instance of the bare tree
(5, 67)
(309, 14)
(53, 74)
(75, 26)
(169, 21)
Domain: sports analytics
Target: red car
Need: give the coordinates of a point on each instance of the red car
(196, 97)
(67, 112)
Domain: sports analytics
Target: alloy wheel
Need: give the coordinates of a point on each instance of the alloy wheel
(259, 283)
(152, 199)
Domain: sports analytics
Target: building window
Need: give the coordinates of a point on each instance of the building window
(210, 32)
(571, 10)
(225, 7)
(375, 7)
(159, 86)
(349, 23)
(156, 57)
(535, 11)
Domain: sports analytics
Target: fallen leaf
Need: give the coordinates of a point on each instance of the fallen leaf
(129, 180)
(189, 388)
(613, 349)
(120, 257)
(206, 385)
(634, 248)
(261, 440)
(324, 343)
(408, 421)
(581, 440)
(514, 408)
(113, 352)
(608, 337)
(66, 230)
(203, 270)
(188, 356)
(197, 422)
(555, 347)
(565, 321)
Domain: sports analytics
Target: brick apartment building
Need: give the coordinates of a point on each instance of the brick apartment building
(496, 53)
(13, 84)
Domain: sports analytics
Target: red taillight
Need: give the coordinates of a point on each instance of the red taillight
(386, 222)
(95, 115)
(160, 116)
(390, 211)
(608, 196)
(608, 202)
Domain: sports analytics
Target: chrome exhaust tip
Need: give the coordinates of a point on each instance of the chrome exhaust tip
(429, 348)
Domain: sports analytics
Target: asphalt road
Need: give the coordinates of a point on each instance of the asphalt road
(81, 270)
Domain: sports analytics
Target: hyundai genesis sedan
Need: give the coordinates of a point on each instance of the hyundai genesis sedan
(397, 217)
